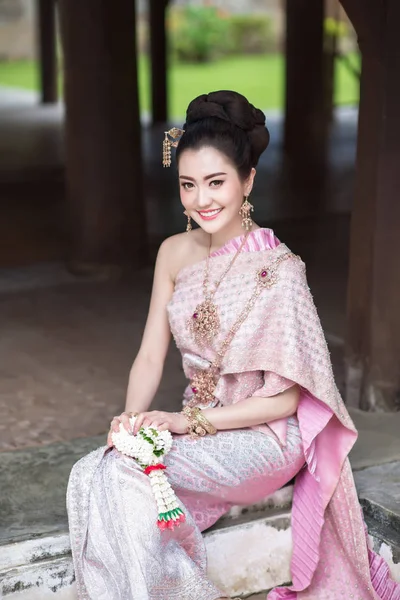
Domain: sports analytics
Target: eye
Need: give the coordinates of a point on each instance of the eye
(187, 185)
(216, 183)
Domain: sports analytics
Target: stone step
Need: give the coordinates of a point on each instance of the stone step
(379, 494)
(239, 547)
(248, 552)
(49, 576)
(249, 549)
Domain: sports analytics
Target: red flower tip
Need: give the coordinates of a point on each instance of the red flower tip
(151, 468)
(162, 525)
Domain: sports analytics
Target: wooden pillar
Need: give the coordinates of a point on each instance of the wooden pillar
(158, 60)
(47, 42)
(103, 133)
(305, 119)
(373, 318)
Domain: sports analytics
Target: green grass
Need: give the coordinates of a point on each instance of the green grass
(260, 78)
(19, 74)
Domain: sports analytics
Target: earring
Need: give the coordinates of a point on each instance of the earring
(189, 223)
(244, 212)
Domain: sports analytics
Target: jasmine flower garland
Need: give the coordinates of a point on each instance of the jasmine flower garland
(148, 447)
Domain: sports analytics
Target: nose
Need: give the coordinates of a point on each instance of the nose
(204, 199)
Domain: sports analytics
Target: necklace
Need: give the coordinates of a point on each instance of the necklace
(204, 381)
(204, 322)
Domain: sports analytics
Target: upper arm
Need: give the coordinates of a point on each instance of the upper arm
(157, 334)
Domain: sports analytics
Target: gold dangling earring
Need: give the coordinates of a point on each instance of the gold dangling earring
(189, 224)
(244, 212)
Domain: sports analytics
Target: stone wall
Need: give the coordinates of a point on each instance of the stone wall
(17, 29)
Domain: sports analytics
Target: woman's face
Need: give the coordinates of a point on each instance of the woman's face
(211, 189)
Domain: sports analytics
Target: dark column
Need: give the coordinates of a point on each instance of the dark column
(305, 120)
(158, 58)
(103, 133)
(373, 320)
(47, 50)
(366, 18)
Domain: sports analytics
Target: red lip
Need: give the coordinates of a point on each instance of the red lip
(204, 215)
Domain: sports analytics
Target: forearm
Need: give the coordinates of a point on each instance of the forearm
(144, 379)
(254, 410)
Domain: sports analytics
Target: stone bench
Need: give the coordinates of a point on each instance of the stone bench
(249, 549)
(34, 543)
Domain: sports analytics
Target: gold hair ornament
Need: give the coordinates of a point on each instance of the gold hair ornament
(171, 139)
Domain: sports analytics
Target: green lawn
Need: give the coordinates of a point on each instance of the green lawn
(260, 78)
(20, 74)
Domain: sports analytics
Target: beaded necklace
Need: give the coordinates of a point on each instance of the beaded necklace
(205, 322)
(204, 381)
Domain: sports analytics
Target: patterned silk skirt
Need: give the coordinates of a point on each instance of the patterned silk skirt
(118, 551)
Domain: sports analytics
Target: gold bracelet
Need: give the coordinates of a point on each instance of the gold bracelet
(208, 426)
(198, 425)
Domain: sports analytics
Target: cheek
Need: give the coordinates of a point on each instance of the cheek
(231, 197)
(184, 197)
(188, 198)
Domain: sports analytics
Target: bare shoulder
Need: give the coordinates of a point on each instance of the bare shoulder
(182, 249)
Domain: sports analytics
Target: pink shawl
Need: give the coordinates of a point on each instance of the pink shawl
(283, 337)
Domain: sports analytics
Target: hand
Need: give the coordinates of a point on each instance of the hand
(174, 422)
(115, 423)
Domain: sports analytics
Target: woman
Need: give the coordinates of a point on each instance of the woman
(239, 308)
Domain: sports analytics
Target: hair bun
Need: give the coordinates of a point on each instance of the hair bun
(236, 109)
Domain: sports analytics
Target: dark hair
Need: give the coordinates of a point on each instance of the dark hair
(228, 122)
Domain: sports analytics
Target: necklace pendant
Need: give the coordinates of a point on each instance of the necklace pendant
(203, 388)
(205, 322)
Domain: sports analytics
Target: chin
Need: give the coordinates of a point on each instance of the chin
(211, 228)
(214, 226)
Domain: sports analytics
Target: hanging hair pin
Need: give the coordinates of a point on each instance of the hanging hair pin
(171, 139)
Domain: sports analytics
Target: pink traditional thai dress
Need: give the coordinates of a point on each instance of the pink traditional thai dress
(120, 554)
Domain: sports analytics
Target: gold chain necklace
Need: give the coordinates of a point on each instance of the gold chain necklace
(204, 381)
(204, 322)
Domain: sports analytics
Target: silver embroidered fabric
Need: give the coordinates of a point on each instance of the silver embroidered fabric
(118, 551)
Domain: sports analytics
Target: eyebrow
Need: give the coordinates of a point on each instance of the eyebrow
(205, 178)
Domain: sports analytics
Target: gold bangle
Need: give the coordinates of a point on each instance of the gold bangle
(209, 427)
(198, 425)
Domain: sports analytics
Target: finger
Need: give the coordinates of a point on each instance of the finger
(109, 437)
(155, 423)
(115, 424)
(138, 423)
(163, 427)
(149, 421)
(124, 418)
